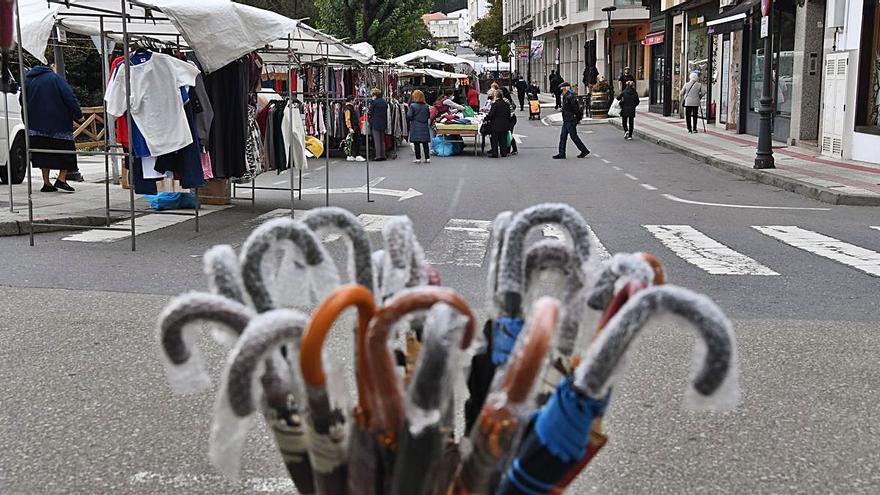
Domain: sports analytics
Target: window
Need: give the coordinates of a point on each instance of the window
(783, 62)
(868, 90)
(628, 3)
(562, 6)
(582, 5)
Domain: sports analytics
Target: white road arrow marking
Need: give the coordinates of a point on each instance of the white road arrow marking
(518, 138)
(401, 195)
(706, 253)
(827, 247)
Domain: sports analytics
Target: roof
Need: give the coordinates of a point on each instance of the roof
(433, 16)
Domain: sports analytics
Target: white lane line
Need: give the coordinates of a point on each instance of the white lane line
(827, 247)
(191, 483)
(706, 253)
(280, 183)
(750, 207)
(456, 196)
(649, 187)
(875, 228)
(150, 222)
(631, 177)
(604, 160)
(265, 217)
(553, 230)
(461, 242)
(615, 167)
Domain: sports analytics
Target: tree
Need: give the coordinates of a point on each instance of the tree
(393, 27)
(294, 9)
(489, 31)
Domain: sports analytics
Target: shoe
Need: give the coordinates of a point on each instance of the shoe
(625, 134)
(64, 186)
(74, 177)
(559, 157)
(427, 160)
(47, 188)
(349, 158)
(584, 154)
(514, 152)
(417, 160)
(360, 159)
(380, 159)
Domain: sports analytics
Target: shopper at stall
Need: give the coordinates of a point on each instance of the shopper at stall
(473, 99)
(419, 117)
(572, 113)
(499, 124)
(508, 97)
(52, 108)
(692, 94)
(629, 100)
(446, 103)
(522, 87)
(378, 115)
(352, 137)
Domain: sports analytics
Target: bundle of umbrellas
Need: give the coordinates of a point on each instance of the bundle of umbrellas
(539, 381)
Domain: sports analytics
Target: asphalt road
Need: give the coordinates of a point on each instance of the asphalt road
(85, 408)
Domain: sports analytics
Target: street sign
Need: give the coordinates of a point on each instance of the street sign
(765, 7)
(765, 27)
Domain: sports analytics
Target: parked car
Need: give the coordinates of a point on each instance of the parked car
(16, 155)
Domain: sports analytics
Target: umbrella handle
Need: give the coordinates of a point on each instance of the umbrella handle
(224, 272)
(657, 265)
(632, 287)
(345, 222)
(527, 363)
(386, 390)
(641, 266)
(322, 320)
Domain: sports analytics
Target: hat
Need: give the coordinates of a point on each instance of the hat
(565, 85)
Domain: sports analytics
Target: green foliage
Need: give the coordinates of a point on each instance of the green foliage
(294, 9)
(489, 31)
(393, 27)
(447, 6)
(505, 52)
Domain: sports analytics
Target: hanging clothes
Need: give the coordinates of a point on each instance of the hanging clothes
(294, 135)
(227, 89)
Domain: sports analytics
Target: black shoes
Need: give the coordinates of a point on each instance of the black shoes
(559, 157)
(47, 188)
(584, 154)
(492, 155)
(63, 186)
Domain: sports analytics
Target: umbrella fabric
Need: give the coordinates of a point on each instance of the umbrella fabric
(325, 425)
(499, 424)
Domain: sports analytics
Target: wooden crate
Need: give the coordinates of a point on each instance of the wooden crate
(216, 192)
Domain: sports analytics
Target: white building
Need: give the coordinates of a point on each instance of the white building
(464, 23)
(850, 123)
(444, 29)
(477, 9)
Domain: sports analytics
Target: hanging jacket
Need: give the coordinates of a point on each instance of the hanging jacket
(52, 106)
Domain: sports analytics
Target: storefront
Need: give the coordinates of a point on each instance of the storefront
(727, 32)
(699, 52)
(628, 50)
(868, 86)
(657, 83)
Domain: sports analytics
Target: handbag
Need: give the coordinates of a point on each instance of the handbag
(614, 110)
(486, 128)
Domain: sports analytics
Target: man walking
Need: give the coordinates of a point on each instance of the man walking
(555, 82)
(521, 88)
(572, 113)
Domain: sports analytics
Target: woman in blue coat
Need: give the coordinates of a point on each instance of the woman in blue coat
(419, 118)
(52, 108)
(378, 114)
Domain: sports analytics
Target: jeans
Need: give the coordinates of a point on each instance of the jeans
(628, 124)
(522, 99)
(379, 142)
(558, 100)
(499, 143)
(419, 147)
(570, 129)
(690, 115)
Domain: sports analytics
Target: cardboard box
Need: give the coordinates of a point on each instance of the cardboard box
(216, 192)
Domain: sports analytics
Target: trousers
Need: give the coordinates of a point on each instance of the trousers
(379, 142)
(422, 146)
(570, 129)
(499, 143)
(690, 115)
(628, 123)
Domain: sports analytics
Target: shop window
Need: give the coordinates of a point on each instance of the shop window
(783, 62)
(868, 90)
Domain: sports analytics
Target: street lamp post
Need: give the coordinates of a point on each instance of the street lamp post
(764, 153)
(608, 34)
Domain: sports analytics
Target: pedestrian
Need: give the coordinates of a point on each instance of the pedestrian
(473, 99)
(572, 113)
(522, 87)
(556, 88)
(499, 124)
(692, 94)
(625, 77)
(378, 115)
(629, 100)
(534, 90)
(352, 138)
(490, 98)
(419, 116)
(509, 99)
(52, 108)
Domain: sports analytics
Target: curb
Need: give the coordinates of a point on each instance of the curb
(789, 184)
(41, 226)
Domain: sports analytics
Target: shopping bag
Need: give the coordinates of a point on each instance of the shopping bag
(614, 111)
(468, 112)
(172, 201)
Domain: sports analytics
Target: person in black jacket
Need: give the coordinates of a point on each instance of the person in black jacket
(629, 100)
(521, 88)
(499, 124)
(571, 116)
(509, 99)
(556, 86)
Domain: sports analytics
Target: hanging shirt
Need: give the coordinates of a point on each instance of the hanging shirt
(294, 135)
(156, 103)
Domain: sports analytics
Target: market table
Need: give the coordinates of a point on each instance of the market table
(460, 130)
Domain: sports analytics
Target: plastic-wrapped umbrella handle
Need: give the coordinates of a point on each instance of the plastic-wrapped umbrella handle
(348, 224)
(197, 306)
(224, 272)
(637, 266)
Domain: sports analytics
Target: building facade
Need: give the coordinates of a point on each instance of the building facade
(477, 9)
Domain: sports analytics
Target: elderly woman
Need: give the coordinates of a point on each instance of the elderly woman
(692, 94)
(378, 114)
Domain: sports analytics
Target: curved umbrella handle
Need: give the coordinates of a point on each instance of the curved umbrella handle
(499, 232)
(182, 366)
(258, 244)
(224, 272)
(637, 266)
(345, 222)
(629, 290)
(399, 240)
(322, 320)
(510, 280)
(526, 363)
(594, 375)
(386, 384)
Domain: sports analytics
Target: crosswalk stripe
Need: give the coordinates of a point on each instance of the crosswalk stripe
(461, 242)
(143, 224)
(828, 247)
(875, 228)
(553, 230)
(706, 253)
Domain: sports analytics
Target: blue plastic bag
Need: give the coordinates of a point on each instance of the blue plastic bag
(172, 201)
(443, 147)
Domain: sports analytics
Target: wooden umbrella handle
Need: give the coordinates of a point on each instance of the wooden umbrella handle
(526, 365)
(386, 383)
(657, 265)
(322, 320)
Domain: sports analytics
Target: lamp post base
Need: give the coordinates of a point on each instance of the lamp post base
(762, 162)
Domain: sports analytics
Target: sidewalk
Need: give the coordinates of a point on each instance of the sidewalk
(84, 207)
(798, 169)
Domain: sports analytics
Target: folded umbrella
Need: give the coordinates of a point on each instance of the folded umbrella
(505, 409)
(222, 267)
(561, 430)
(636, 266)
(325, 424)
(360, 250)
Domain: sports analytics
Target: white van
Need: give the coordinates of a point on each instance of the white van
(16, 130)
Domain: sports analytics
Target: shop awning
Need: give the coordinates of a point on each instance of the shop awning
(735, 15)
(654, 38)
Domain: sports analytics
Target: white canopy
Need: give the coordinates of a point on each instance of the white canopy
(309, 44)
(427, 56)
(439, 74)
(492, 65)
(218, 31)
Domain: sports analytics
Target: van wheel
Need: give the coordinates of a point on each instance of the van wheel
(17, 159)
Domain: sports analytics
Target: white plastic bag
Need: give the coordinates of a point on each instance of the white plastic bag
(614, 111)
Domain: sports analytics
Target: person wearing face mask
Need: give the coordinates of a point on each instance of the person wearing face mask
(572, 113)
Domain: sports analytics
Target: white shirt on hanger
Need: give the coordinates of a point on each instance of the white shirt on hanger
(294, 135)
(156, 104)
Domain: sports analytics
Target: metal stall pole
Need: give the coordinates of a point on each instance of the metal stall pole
(327, 135)
(27, 138)
(130, 154)
(290, 102)
(367, 138)
(195, 190)
(105, 76)
(8, 146)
